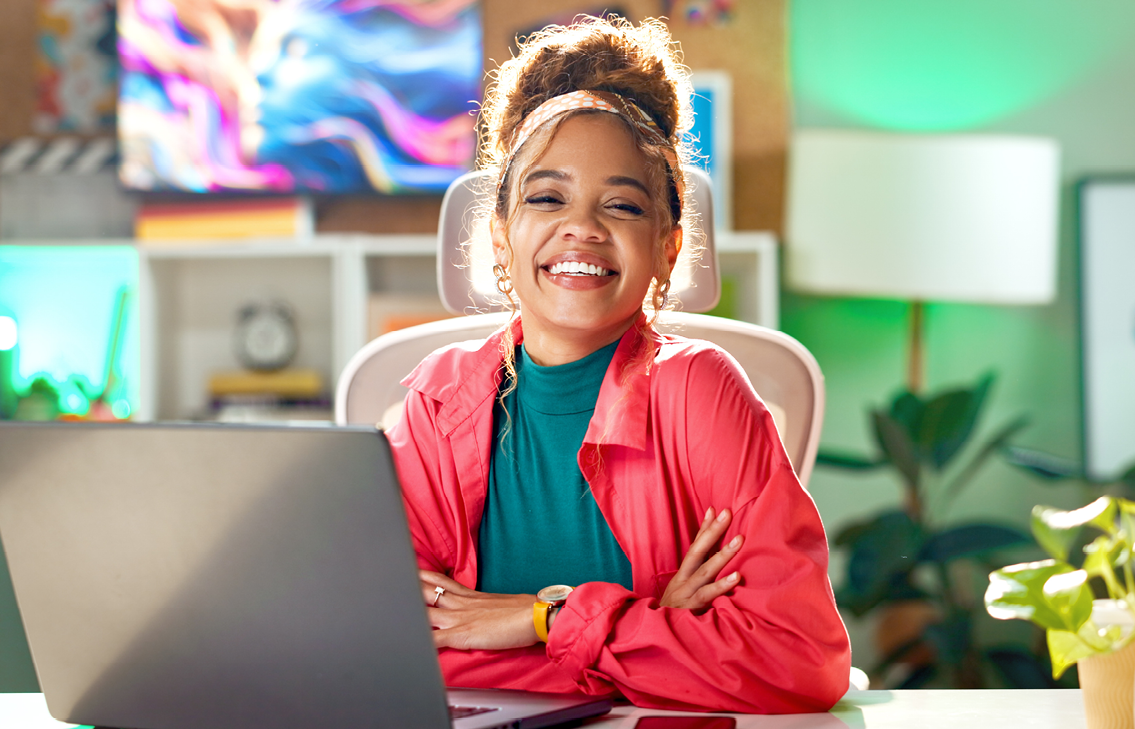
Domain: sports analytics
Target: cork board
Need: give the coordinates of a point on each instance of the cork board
(751, 48)
(17, 67)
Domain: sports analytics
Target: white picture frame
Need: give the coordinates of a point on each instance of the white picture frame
(713, 139)
(1107, 323)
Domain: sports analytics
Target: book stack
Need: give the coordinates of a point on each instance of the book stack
(220, 220)
(288, 394)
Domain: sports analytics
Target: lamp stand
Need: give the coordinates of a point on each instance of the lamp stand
(915, 367)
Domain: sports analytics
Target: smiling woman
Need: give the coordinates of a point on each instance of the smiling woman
(581, 247)
(596, 506)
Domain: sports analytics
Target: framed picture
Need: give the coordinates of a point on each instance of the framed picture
(1107, 323)
(713, 139)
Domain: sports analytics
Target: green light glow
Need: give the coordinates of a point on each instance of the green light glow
(937, 65)
(63, 299)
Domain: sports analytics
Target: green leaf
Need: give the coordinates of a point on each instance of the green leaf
(1055, 541)
(994, 444)
(898, 447)
(848, 461)
(1068, 647)
(1100, 513)
(1019, 592)
(1104, 554)
(1039, 463)
(948, 422)
(971, 540)
(906, 410)
(883, 553)
(1057, 530)
(1070, 596)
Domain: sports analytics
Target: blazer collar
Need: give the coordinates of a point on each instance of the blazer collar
(462, 384)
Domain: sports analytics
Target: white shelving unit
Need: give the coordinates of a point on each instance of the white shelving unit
(189, 296)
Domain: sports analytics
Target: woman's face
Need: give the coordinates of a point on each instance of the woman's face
(585, 237)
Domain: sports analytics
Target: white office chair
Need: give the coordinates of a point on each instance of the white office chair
(783, 372)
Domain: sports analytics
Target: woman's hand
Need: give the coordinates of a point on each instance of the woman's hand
(467, 620)
(696, 584)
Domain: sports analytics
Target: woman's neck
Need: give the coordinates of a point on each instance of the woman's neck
(548, 350)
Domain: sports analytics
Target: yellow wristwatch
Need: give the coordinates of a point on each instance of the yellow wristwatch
(550, 597)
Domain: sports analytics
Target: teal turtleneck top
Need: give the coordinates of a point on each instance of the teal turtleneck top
(541, 525)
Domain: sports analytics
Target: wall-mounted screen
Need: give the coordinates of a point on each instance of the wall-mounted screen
(320, 96)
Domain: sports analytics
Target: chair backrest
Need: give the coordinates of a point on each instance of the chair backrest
(369, 390)
(464, 261)
(783, 372)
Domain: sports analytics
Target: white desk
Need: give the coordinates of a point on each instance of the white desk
(1020, 709)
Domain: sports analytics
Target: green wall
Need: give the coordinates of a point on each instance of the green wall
(1046, 67)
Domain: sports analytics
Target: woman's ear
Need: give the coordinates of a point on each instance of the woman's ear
(501, 248)
(673, 247)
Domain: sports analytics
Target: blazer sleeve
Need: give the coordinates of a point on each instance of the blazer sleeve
(418, 447)
(775, 643)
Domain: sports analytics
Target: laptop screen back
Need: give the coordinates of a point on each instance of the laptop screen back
(255, 582)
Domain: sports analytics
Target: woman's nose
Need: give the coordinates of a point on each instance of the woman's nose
(584, 224)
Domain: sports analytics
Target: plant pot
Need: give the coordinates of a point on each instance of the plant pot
(900, 623)
(1107, 680)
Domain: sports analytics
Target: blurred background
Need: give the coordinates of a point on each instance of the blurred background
(206, 224)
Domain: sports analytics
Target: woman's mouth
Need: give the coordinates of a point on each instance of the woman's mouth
(577, 268)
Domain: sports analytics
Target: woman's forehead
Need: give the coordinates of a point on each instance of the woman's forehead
(586, 144)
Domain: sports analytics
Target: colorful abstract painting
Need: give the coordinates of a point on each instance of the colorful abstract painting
(75, 67)
(324, 96)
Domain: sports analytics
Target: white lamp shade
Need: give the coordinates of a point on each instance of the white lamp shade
(969, 218)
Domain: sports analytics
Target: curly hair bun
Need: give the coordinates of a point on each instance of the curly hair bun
(609, 54)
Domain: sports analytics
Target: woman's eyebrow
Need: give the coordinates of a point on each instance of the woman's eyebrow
(545, 174)
(559, 175)
(627, 181)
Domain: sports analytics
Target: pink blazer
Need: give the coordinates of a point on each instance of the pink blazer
(672, 435)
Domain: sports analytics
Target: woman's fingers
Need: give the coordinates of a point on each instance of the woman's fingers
(431, 582)
(712, 567)
(708, 580)
(699, 581)
(712, 529)
(704, 597)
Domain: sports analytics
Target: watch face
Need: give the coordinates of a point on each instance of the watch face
(554, 594)
(266, 337)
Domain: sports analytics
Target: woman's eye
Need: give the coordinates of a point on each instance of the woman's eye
(627, 208)
(542, 200)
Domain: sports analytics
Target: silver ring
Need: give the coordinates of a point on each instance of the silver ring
(438, 592)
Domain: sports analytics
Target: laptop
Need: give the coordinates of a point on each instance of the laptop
(179, 576)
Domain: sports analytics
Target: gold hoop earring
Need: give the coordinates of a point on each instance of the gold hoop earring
(504, 281)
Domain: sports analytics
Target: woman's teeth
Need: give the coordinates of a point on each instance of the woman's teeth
(575, 268)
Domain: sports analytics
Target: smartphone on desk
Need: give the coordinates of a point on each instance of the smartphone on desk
(686, 722)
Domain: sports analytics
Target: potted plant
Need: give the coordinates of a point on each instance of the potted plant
(1060, 597)
(903, 563)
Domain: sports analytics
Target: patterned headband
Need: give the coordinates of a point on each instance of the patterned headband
(598, 101)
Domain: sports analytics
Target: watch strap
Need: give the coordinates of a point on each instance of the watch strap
(540, 619)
